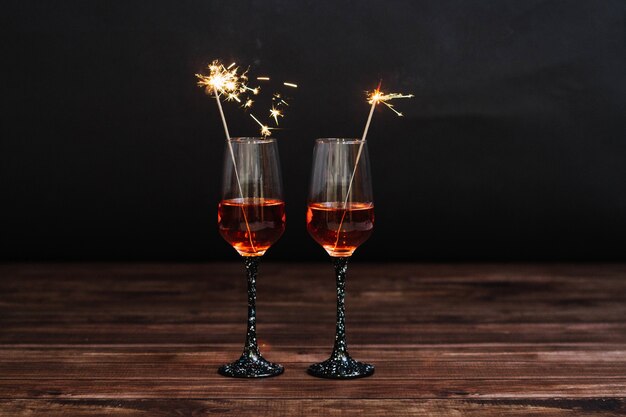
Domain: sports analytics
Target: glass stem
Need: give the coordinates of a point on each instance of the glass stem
(251, 350)
(340, 350)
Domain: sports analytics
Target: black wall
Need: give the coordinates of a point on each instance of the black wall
(513, 149)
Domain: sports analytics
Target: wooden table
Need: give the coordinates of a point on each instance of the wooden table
(463, 340)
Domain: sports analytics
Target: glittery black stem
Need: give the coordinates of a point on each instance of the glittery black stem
(251, 364)
(340, 350)
(251, 349)
(340, 365)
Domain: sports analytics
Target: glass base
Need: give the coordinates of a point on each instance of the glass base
(251, 367)
(341, 368)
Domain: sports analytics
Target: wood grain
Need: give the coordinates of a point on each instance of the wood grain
(471, 340)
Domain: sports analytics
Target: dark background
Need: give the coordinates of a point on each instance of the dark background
(514, 147)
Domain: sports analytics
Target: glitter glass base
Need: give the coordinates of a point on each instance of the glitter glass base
(341, 368)
(251, 367)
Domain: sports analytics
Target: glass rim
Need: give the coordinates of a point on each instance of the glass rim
(252, 139)
(349, 141)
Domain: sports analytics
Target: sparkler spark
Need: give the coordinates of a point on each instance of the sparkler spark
(378, 96)
(225, 81)
(278, 100)
(218, 78)
(231, 84)
(254, 90)
(275, 113)
(233, 96)
(265, 130)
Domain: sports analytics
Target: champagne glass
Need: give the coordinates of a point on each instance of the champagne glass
(340, 217)
(251, 217)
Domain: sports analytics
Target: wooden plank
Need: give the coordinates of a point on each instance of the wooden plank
(305, 408)
(547, 353)
(391, 364)
(286, 387)
(360, 311)
(163, 369)
(313, 334)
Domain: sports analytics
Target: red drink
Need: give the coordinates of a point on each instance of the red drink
(323, 221)
(252, 225)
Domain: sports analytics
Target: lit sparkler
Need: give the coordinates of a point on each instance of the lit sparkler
(373, 98)
(229, 82)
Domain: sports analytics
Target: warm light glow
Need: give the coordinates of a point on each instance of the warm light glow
(291, 85)
(263, 78)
